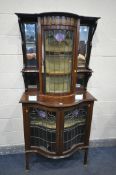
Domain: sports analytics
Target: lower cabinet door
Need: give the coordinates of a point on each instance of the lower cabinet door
(75, 120)
(43, 133)
(56, 131)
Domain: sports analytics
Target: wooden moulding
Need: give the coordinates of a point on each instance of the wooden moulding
(56, 101)
(57, 98)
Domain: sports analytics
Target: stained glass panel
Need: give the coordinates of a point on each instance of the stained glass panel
(74, 126)
(43, 129)
(58, 58)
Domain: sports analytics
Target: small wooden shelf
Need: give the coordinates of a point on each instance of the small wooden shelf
(57, 74)
(30, 69)
(84, 70)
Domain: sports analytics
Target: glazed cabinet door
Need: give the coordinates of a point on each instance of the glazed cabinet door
(57, 131)
(42, 129)
(57, 56)
(77, 122)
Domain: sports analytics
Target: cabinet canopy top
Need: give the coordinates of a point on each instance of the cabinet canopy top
(24, 16)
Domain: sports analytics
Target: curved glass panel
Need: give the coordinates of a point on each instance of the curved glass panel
(58, 58)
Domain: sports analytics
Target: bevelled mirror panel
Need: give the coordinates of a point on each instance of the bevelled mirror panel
(30, 42)
(84, 32)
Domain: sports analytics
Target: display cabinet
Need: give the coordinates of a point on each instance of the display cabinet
(57, 109)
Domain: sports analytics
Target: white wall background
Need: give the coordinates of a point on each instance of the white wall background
(103, 62)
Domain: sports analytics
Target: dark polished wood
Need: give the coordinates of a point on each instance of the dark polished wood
(83, 77)
(87, 100)
(86, 97)
(56, 104)
(26, 133)
(46, 23)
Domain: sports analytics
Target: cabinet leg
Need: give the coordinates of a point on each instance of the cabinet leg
(85, 156)
(27, 160)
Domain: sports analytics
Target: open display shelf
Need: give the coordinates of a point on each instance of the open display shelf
(57, 109)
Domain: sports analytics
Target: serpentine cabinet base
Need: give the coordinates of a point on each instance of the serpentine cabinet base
(56, 130)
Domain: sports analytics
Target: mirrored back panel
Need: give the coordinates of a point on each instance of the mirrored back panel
(29, 44)
(83, 41)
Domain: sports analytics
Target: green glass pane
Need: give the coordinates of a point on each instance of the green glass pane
(57, 84)
(58, 58)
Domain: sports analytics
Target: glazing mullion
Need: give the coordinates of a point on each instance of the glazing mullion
(42, 132)
(50, 60)
(76, 116)
(68, 75)
(46, 130)
(66, 60)
(54, 59)
(59, 78)
(34, 134)
(64, 65)
(44, 69)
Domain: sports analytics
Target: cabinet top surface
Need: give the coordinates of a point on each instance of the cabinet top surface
(32, 97)
(54, 14)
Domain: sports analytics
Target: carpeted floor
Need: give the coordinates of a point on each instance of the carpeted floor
(101, 161)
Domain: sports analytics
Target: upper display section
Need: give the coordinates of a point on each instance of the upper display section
(56, 45)
(29, 24)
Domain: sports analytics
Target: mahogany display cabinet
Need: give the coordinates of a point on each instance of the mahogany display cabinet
(57, 109)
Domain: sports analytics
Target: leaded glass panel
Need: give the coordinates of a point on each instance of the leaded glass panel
(74, 126)
(58, 84)
(43, 129)
(58, 59)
